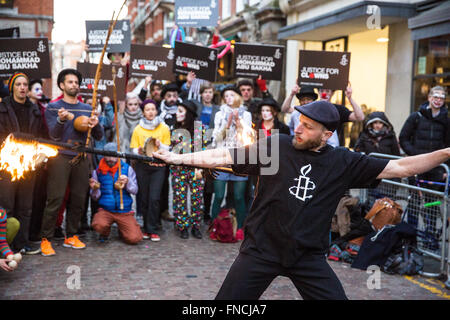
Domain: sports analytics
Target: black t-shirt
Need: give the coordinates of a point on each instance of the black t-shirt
(287, 219)
(22, 112)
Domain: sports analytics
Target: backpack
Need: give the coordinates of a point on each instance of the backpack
(407, 261)
(224, 227)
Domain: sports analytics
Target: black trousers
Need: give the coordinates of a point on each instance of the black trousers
(249, 277)
(16, 197)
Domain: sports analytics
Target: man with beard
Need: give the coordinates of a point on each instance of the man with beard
(287, 229)
(106, 183)
(63, 170)
(169, 105)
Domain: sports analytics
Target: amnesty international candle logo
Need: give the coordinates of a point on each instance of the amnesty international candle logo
(304, 185)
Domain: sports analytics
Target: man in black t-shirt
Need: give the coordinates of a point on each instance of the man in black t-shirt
(301, 182)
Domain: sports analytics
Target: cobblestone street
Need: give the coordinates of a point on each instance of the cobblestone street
(174, 269)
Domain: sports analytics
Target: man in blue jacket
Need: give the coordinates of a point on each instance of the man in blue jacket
(106, 183)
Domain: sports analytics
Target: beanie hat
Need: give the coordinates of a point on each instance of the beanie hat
(13, 79)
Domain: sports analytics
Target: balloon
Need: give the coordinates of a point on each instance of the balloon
(177, 34)
(225, 43)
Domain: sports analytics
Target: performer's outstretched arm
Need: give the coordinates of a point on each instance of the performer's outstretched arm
(206, 159)
(409, 166)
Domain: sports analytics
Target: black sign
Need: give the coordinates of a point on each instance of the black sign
(201, 60)
(6, 3)
(119, 41)
(105, 85)
(251, 60)
(152, 61)
(30, 56)
(199, 13)
(324, 69)
(10, 33)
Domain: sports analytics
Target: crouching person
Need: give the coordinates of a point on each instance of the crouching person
(106, 183)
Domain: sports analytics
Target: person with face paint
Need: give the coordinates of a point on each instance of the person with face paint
(185, 179)
(169, 104)
(105, 184)
(424, 131)
(128, 120)
(269, 109)
(150, 178)
(229, 121)
(19, 114)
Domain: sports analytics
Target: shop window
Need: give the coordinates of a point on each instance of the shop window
(7, 4)
(431, 68)
(226, 9)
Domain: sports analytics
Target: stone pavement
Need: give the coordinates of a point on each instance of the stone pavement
(173, 269)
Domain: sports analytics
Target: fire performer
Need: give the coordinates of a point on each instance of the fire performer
(286, 232)
(19, 114)
(68, 120)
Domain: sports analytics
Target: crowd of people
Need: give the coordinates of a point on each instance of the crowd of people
(213, 116)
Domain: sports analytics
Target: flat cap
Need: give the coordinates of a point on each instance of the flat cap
(323, 112)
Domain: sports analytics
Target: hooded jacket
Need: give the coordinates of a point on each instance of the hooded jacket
(10, 124)
(383, 142)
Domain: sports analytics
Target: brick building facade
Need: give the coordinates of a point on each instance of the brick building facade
(33, 17)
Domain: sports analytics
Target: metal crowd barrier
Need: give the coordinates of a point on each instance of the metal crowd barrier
(426, 209)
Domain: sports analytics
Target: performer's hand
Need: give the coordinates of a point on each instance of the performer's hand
(262, 83)
(4, 265)
(123, 179)
(295, 90)
(190, 77)
(106, 100)
(148, 80)
(63, 114)
(93, 121)
(166, 156)
(93, 184)
(349, 91)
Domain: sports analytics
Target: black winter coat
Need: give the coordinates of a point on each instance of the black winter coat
(422, 133)
(277, 125)
(10, 124)
(368, 143)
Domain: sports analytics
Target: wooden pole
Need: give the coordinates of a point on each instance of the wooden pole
(116, 120)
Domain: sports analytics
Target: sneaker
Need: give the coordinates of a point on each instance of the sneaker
(74, 243)
(184, 234)
(46, 248)
(167, 216)
(31, 249)
(154, 237)
(102, 239)
(146, 236)
(59, 234)
(196, 233)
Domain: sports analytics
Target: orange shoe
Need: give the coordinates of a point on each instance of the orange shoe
(74, 243)
(46, 248)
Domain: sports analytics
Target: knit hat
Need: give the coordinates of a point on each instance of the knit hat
(13, 79)
(111, 146)
(147, 101)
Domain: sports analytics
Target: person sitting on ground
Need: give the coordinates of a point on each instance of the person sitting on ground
(106, 183)
(8, 230)
(378, 136)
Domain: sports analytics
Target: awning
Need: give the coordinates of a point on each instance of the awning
(346, 20)
(431, 23)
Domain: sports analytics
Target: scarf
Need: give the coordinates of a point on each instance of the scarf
(168, 112)
(150, 125)
(105, 169)
(132, 119)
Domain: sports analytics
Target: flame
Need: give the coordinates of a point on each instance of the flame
(247, 136)
(17, 158)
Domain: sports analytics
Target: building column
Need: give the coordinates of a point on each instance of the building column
(399, 75)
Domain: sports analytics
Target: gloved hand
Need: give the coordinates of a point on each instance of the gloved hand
(262, 84)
